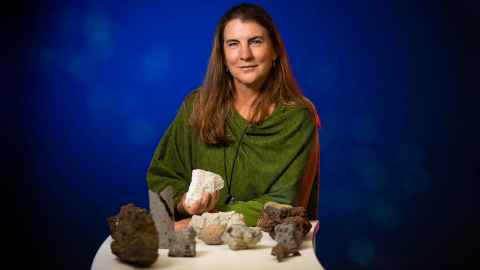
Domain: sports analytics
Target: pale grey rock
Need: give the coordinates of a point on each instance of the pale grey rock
(225, 218)
(162, 211)
(241, 237)
(182, 244)
(202, 181)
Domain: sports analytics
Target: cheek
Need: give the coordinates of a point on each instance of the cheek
(230, 57)
(264, 56)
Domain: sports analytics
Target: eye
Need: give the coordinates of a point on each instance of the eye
(232, 44)
(256, 41)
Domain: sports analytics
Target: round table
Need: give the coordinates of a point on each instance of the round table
(219, 257)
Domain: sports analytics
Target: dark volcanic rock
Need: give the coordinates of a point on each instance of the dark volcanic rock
(301, 223)
(274, 214)
(182, 244)
(281, 252)
(290, 235)
(135, 238)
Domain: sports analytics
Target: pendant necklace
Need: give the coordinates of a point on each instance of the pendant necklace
(231, 198)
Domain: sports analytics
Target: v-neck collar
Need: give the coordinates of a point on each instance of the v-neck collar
(239, 120)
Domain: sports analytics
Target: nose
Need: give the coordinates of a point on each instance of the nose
(246, 53)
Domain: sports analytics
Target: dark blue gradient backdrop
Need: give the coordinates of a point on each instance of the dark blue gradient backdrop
(97, 83)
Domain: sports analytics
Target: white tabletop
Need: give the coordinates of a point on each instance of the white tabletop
(219, 257)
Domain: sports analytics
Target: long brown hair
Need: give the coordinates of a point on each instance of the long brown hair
(214, 100)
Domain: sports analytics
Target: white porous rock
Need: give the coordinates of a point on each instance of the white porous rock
(202, 181)
(222, 218)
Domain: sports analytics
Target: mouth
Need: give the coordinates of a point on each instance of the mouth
(248, 67)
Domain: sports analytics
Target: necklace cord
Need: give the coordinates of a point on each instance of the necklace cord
(230, 180)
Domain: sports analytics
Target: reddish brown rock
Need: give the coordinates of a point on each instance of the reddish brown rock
(301, 223)
(135, 238)
(274, 214)
(281, 252)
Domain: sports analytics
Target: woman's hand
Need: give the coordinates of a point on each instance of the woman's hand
(182, 224)
(206, 203)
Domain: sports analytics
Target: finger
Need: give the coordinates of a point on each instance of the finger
(206, 197)
(213, 201)
(182, 224)
(182, 205)
(194, 208)
(211, 205)
(197, 208)
(216, 195)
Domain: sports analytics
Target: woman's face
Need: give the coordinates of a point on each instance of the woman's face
(249, 53)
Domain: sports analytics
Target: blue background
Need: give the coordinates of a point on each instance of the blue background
(89, 88)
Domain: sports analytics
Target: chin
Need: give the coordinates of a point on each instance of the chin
(248, 80)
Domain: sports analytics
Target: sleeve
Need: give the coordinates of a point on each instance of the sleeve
(293, 148)
(169, 165)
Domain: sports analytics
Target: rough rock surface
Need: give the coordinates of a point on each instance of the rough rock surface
(202, 181)
(225, 218)
(301, 223)
(162, 211)
(135, 238)
(274, 214)
(182, 244)
(212, 234)
(281, 252)
(290, 235)
(241, 237)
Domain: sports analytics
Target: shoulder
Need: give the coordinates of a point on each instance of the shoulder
(191, 97)
(189, 102)
(300, 110)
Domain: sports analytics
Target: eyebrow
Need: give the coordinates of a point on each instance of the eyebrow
(250, 39)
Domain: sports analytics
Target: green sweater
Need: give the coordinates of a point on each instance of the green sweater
(270, 162)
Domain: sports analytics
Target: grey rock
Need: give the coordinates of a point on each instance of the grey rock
(289, 235)
(241, 237)
(182, 244)
(162, 211)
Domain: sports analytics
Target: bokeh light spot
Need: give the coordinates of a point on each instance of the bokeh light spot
(410, 157)
(415, 182)
(384, 215)
(374, 174)
(340, 203)
(78, 66)
(98, 34)
(140, 131)
(365, 129)
(156, 63)
(361, 252)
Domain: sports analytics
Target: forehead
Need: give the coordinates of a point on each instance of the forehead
(238, 29)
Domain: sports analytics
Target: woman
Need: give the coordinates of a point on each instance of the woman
(248, 122)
